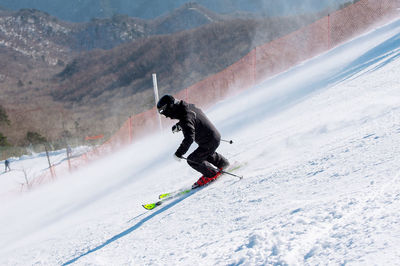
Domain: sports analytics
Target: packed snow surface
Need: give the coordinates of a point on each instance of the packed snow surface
(319, 148)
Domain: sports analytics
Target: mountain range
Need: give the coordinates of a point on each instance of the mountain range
(85, 10)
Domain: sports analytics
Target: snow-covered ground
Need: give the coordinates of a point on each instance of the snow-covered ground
(319, 147)
(28, 168)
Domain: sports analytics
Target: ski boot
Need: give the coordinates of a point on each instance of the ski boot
(205, 180)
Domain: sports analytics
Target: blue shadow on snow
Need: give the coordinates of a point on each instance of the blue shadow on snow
(131, 229)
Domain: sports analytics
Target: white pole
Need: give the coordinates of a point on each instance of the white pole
(156, 98)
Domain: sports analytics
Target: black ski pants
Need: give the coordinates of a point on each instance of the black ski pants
(204, 159)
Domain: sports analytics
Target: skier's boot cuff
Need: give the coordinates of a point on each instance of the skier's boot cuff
(224, 166)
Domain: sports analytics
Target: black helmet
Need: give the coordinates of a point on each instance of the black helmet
(165, 104)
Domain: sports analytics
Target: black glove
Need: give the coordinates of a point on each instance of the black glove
(177, 156)
(176, 128)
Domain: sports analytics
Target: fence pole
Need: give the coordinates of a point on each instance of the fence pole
(130, 130)
(255, 66)
(156, 97)
(48, 160)
(329, 31)
(69, 157)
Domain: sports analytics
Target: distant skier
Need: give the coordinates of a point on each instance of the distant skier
(7, 165)
(196, 128)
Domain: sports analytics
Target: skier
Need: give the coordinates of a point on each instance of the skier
(196, 128)
(7, 164)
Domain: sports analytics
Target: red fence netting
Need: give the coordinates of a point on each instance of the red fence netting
(262, 62)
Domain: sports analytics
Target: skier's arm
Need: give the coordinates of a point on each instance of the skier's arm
(188, 129)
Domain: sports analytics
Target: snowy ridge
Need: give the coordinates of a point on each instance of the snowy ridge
(321, 182)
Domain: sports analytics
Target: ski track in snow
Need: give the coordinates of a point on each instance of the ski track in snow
(321, 185)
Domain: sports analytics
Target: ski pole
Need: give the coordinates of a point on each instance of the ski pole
(229, 141)
(222, 171)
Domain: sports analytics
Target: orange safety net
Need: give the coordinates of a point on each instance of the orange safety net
(261, 63)
(94, 137)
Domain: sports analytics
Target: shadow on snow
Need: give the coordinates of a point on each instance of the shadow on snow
(131, 229)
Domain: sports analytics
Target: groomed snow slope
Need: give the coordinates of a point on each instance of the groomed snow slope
(320, 147)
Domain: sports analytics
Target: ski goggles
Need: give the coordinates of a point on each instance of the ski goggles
(162, 109)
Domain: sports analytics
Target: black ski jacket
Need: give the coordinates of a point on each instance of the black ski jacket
(195, 127)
